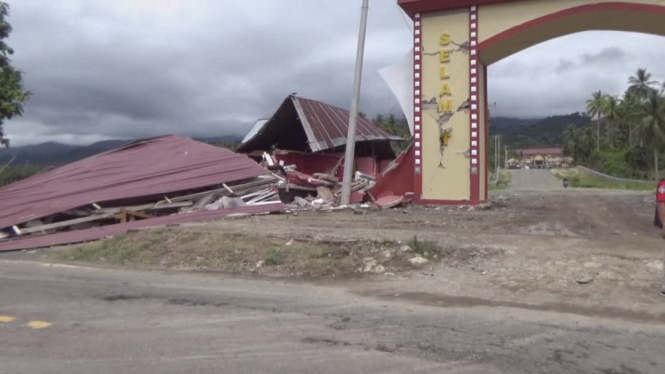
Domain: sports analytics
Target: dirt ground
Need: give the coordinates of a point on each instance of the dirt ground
(592, 252)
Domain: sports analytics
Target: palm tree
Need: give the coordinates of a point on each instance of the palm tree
(629, 114)
(611, 112)
(652, 126)
(594, 108)
(640, 84)
(578, 143)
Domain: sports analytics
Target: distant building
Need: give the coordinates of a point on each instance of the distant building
(539, 158)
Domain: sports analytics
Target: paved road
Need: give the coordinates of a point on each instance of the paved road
(80, 320)
(534, 180)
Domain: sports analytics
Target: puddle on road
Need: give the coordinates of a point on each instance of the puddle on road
(445, 301)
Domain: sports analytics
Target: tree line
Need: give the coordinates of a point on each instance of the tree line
(625, 130)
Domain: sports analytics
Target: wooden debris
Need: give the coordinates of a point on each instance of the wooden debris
(325, 193)
(147, 207)
(227, 188)
(222, 191)
(63, 224)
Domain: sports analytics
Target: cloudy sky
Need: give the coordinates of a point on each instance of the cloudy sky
(102, 69)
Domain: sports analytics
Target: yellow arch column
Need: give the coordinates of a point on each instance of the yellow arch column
(449, 108)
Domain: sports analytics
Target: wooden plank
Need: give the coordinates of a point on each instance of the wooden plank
(57, 225)
(138, 214)
(148, 207)
(202, 202)
(223, 191)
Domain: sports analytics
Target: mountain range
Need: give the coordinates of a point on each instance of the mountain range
(53, 154)
(516, 132)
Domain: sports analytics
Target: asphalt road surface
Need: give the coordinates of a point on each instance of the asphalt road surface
(534, 180)
(62, 319)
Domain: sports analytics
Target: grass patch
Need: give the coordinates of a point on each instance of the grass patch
(115, 251)
(272, 257)
(580, 179)
(504, 180)
(424, 248)
(214, 250)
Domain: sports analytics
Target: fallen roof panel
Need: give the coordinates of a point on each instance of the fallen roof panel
(147, 167)
(96, 233)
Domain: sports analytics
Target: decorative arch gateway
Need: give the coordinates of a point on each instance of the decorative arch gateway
(454, 42)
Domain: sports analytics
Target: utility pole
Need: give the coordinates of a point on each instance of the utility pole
(505, 159)
(353, 118)
(498, 152)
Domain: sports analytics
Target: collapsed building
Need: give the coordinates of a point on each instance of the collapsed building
(172, 180)
(167, 180)
(308, 139)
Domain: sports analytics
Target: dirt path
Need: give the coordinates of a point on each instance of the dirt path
(535, 252)
(534, 180)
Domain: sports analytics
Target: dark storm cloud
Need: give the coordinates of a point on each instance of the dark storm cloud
(97, 72)
(134, 68)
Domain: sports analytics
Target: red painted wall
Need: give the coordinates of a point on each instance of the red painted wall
(399, 180)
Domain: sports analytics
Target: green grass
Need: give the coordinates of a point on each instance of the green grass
(115, 251)
(424, 248)
(200, 249)
(504, 180)
(579, 179)
(272, 257)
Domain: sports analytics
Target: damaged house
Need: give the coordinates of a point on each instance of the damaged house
(312, 136)
(309, 138)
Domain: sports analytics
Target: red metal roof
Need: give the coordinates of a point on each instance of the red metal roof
(412, 7)
(96, 233)
(147, 167)
(325, 127)
(541, 151)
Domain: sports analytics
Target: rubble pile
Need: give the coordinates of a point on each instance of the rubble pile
(323, 190)
(152, 182)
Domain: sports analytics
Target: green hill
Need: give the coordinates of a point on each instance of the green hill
(535, 133)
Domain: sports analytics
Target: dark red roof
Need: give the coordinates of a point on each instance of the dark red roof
(541, 151)
(156, 166)
(321, 127)
(412, 7)
(329, 125)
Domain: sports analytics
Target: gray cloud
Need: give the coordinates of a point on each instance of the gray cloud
(564, 65)
(557, 77)
(609, 55)
(131, 68)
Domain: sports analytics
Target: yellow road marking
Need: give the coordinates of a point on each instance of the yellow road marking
(38, 324)
(6, 319)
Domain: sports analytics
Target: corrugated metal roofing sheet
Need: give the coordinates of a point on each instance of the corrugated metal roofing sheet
(96, 233)
(325, 126)
(254, 130)
(147, 167)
